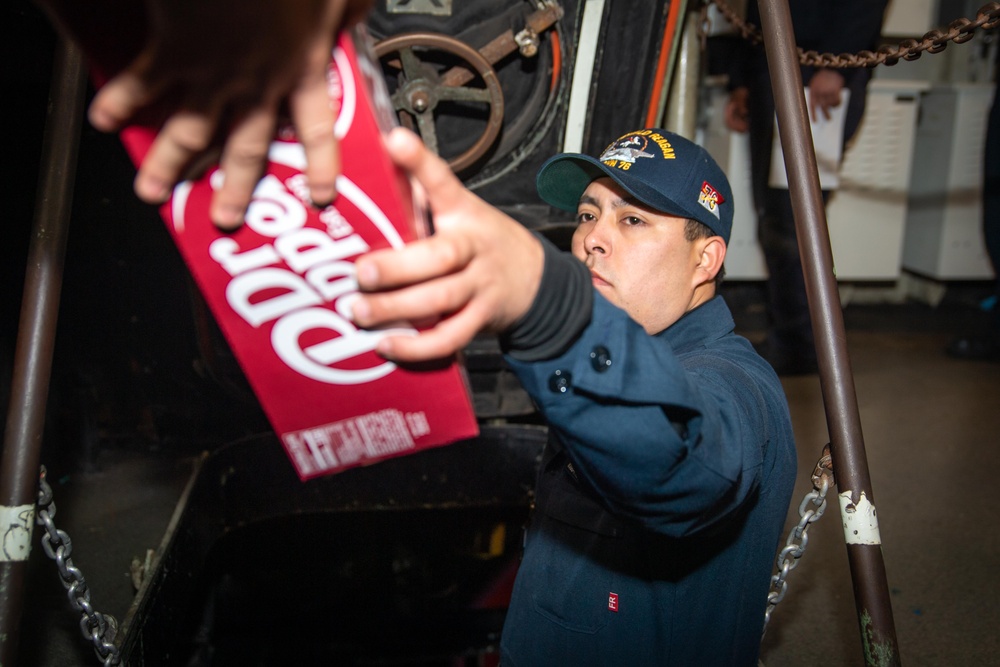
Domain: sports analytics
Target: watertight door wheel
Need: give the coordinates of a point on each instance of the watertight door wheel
(421, 88)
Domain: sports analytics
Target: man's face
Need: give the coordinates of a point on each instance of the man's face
(639, 259)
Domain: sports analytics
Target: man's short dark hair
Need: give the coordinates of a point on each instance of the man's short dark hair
(694, 230)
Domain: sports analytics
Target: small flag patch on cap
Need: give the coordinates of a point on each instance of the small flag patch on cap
(710, 198)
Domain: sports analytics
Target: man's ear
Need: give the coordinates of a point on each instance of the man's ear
(712, 254)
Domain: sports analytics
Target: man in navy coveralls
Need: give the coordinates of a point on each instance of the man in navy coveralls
(666, 482)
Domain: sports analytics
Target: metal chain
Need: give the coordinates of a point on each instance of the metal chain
(958, 31)
(798, 537)
(99, 628)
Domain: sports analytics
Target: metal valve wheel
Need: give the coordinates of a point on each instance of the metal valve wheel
(422, 88)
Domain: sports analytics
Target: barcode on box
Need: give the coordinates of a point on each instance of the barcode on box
(371, 436)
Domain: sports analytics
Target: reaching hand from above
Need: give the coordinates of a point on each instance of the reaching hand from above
(480, 271)
(220, 70)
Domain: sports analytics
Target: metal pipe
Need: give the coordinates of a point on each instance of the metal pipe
(850, 464)
(37, 331)
(682, 107)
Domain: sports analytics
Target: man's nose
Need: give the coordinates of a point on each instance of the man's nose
(596, 239)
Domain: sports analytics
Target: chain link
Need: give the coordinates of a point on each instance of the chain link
(99, 628)
(798, 537)
(958, 31)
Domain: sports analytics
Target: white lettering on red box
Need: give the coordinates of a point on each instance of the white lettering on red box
(295, 298)
(370, 436)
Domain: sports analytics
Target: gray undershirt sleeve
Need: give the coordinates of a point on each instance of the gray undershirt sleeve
(560, 311)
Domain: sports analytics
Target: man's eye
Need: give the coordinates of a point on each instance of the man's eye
(583, 217)
(632, 221)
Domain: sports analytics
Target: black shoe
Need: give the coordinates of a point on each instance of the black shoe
(975, 348)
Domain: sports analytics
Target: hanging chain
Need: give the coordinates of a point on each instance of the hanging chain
(798, 537)
(958, 31)
(99, 628)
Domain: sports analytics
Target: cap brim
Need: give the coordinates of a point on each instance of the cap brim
(563, 179)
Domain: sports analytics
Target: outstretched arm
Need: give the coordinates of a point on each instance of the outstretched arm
(480, 271)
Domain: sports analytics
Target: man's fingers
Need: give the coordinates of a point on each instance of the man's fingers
(243, 161)
(314, 119)
(185, 136)
(443, 340)
(419, 261)
(117, 101)
(444, 295)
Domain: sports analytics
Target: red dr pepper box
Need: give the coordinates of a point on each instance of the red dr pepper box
(279, 286)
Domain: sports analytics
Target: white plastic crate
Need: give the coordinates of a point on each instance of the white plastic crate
(944, 221)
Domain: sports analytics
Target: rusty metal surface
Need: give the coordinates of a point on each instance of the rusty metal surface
(836, 377)
(426, 88)
(421, 89)
(505, 44)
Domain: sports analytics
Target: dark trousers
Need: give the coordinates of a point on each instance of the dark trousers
(789, 328)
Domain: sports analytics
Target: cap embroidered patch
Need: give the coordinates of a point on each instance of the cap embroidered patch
(710, 198)
(624, 152)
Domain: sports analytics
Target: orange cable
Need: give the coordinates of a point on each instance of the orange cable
(556, 60)
(661, 64)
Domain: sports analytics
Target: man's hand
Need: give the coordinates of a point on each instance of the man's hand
(223, 69)
(480, 271)
(737, 113)
(824, 93)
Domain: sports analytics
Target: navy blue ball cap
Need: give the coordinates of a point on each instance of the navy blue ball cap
(662, 170)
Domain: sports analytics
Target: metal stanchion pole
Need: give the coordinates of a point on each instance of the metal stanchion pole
(36, 335)
(850, 465)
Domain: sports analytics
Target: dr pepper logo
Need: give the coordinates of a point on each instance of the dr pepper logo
(290, 269)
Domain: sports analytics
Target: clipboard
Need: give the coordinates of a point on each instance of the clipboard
(828, 141)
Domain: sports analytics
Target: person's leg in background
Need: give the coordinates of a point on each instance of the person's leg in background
(789, 347)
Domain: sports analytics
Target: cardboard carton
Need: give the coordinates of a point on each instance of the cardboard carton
(280, 286)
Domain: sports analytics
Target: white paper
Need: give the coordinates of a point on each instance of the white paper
(828, 140)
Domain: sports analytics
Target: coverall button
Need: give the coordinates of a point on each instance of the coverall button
(560, 382)
(600, 358)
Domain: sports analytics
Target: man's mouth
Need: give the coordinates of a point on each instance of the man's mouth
(598, 280)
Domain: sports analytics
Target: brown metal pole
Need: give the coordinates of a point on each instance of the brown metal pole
(36, 335)
(850, 465)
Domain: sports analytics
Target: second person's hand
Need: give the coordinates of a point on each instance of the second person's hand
(225, 68)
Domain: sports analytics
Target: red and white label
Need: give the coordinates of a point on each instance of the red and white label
(280, 288)
(613, 602)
